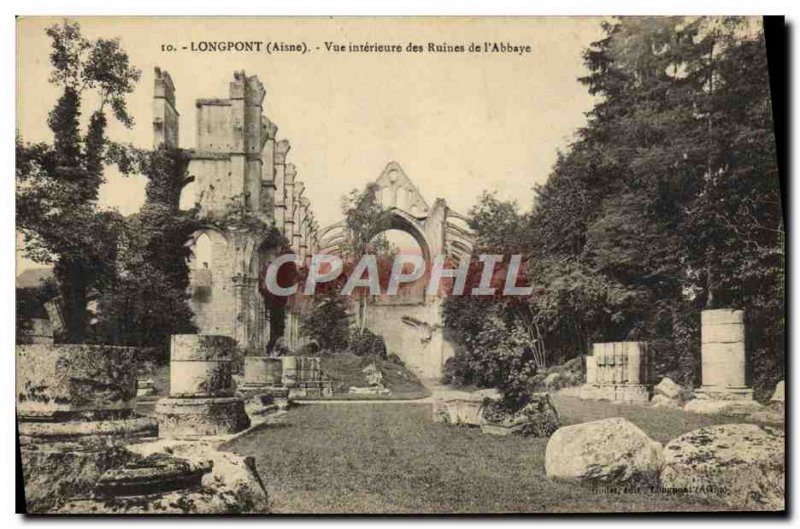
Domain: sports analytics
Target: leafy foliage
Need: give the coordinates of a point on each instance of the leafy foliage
(667, 203)
(365, 221)
(57, 185)
(327, 322)
(367, 344)
(148, 299)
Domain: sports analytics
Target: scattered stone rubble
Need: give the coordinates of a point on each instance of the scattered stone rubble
(739, 465)
(84, 450)
(461, 407)
(374, 378)
(538, 418)
(668, 394)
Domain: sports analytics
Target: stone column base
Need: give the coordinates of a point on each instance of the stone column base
(724, 393)
(322, 388)
(114, 431)
(200, 417)
(54, 472)
(616, 392)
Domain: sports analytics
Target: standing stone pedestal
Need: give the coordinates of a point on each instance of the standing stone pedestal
(723, 356)
(304, 378)
(617, 371)
(74, 414)
(262, 386)
(201, 401)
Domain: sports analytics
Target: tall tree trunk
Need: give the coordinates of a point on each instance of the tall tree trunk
(74, 294)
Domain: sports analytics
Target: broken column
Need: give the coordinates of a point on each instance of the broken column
(202, 400)
(75, 409)
(617, 371)
(723, 356)
(263, 384)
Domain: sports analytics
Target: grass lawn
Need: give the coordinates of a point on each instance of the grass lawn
(392, 458)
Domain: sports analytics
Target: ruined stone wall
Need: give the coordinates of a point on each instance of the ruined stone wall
(212, 297)
(414, 334)
(165, 116)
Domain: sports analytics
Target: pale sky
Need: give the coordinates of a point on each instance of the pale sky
(458, 124)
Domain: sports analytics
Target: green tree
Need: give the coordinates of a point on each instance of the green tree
(327, 321)
(669, 196)
(147, 300)
(667, 202)
(57, 184)
(365, 221)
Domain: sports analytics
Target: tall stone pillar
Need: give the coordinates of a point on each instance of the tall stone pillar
(299, 187)
(289, 180)
(201, 401)
(165, 116)
(304, 219)
(269, 130)
(254, 142)
(281, 151)
(246, 97)
(244, 324)
(723, 356)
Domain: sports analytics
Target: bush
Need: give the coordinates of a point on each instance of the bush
(571, 373)
(367, 344)
(327, 322)
(309, 349)
(455, 371)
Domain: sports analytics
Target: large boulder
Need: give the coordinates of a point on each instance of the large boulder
(608, 451)
(741, 465)
(538, 418)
